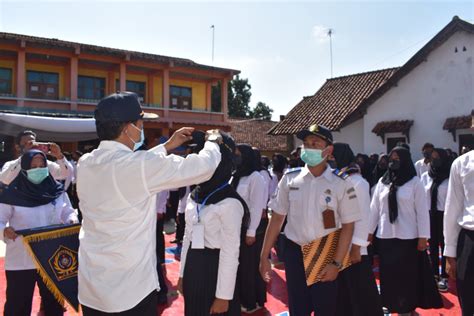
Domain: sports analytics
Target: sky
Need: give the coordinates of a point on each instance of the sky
(282, 47)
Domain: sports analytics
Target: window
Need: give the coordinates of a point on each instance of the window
(134, 86)
(392, 142)
(181, 97)
(5, 81)
(466, 140)
(42, 85)
(91, 88)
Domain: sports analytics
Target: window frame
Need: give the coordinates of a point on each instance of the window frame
(9, 81)
(42, 91)
(95, 88)
(180, 98)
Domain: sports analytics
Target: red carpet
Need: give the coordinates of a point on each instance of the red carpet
(277, 297)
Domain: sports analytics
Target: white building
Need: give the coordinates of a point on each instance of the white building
(428, 99)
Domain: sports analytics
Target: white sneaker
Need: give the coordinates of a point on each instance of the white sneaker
(443, 285)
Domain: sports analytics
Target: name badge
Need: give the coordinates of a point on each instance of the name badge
(329, 219)
(198, 236)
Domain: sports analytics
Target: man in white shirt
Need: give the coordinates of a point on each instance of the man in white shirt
(117, 189)
(26, 140)
(459, 230)
(423, 165)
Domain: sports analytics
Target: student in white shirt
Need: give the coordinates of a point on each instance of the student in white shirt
(357, 291)
(264, 172)
(117, 190)
(251, 186)
(216, 220)
(423, 165)
(399, 209)
(435, 182)
(33, 199)
(459, 229)
(60, 170)
(181, 218)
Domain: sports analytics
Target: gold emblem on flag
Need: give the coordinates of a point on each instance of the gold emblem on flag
(64, 263)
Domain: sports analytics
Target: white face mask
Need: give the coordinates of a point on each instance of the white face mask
(137, 145)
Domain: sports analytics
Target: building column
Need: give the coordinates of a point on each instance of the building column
(111, 83)
(74, 81)
(150, 89)
(123, 76)
(224, 97)
(166, 91)
(209, 96)
(21, 77)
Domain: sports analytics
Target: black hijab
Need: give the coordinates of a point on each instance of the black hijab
(364, 163)
(258, 161)
(378, 170)
(343, 155)
(439, 174)
(279, 162)
(23, 192)
(397, 178)
(248, 165)
(219, 179)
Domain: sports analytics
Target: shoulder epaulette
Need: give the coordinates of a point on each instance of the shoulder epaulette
(293, 170)
(340, 174)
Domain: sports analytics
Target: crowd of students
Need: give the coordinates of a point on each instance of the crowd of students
(330, 214)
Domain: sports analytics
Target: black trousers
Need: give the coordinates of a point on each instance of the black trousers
(160, 240)
(20, 288)
(172, 208)
(320, 297)
(180, 226)
(465, 271)
(437, 242)
(147, 307)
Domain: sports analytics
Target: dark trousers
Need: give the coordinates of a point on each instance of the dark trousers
(320, 297)
(20, 288)
(465, 271)
(437, 241)
(160, 240)
(147, 307)
(180, 226)
(172, 208)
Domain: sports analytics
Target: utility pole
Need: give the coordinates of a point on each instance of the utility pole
(330, 46)
(213, 29)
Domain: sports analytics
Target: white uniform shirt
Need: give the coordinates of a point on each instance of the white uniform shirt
(184, 201)
(413, 219)
(361, 227)
(459, 211)
(442, 191)
(222, 227)
(117, 191)
(60, 170)
(303, 198)
(266, 177)
(421, 167)
(254, 192)
(161, 200)
(273, 185)
(19, 217)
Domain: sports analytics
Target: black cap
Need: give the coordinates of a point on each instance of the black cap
(317, 130)
(121, 107)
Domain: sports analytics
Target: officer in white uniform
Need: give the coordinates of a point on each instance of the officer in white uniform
(316, 202)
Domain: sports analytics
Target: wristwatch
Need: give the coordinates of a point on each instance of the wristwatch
(214, 136)
(337, 264)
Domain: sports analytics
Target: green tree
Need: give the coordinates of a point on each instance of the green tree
(238, 98)
(261, 110)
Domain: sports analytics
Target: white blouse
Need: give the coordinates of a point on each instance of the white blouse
(59, 211)
(442, 191)
(222, 228)
(253, 190)
(361, 227)
(413, 219)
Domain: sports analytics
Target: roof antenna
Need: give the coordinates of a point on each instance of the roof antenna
(330, 31)
(213, 29)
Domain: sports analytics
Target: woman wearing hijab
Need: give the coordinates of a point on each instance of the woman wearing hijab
(33, 199)
(400, 211)
(380, 169)
(251, 186)
(216, 217)
(357, 289)
(363, 162)
(435, 182)
(263, 171)
(279, 163)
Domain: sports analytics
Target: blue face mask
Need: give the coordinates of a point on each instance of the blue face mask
(37, 175)
(312, 157)
(138, 144)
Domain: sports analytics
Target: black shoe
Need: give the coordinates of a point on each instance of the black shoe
(176, 241)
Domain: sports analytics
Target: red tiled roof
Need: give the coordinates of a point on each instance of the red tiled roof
(382, 128)
(459, 122)
(333, 102)
(94, 49)
(254, 132)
